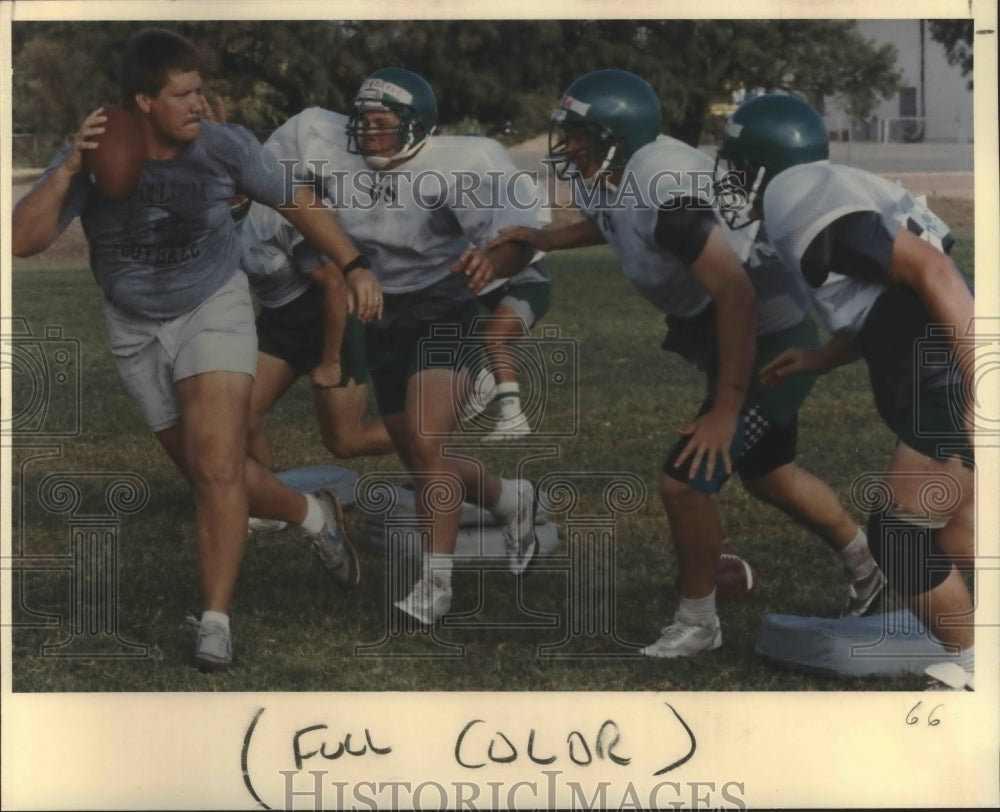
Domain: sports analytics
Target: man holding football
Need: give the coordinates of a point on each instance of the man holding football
(179, 312)
(651, 198)
(877, 267)
(423, 209)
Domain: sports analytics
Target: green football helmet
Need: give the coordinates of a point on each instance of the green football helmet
(619, 113)
(409, 96)
(766, 135)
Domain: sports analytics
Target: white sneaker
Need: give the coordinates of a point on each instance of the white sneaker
(480, 396)
(255, 525)
(427, 603)
(509, 428)
(213, 650)
(863, 593)
(519, 536)
(949, 677)
(682, 640)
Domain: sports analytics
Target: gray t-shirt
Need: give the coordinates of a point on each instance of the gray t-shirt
(171, 244)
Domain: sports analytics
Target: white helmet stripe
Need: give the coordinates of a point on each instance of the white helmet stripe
(374, 89)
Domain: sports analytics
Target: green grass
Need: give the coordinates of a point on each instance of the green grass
(294, 631)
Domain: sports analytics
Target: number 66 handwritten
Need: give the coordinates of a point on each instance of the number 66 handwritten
(913, 718)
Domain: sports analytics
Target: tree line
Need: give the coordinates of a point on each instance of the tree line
(497, 77)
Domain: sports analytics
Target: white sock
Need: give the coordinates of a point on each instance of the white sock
(313, 522)
(697, 611)
(967, 659)
(509, 395)
(856, 557)
(506, 506)
(485, 385)
(439, 565)
(217, 617)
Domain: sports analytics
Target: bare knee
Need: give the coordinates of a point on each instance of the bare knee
(676, 494)
(343, 446)
(773, 487)
(424, 453)
(217, 471)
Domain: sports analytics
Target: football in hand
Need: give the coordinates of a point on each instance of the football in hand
(116, 164)
(734, 577)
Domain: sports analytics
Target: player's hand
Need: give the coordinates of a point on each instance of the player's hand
(325, 375)
(537, 238)
(214, 112)
(711, 434)
(85, 138)
(477, 266)
(791, 362)
(364, 295)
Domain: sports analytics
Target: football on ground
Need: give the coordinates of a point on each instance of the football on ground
(734, 577)
(116, 164)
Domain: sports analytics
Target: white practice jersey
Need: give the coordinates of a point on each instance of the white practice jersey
(661, 175)
(803, 200)
(275, 256)
(415, 221)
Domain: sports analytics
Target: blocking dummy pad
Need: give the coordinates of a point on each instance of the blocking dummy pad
(878, 645)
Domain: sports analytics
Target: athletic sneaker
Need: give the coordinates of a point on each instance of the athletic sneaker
(863, 594)
(427, 603)
(255, 525)
(509, 428)
(481, 395)
(949, 677)
(682, 640)
(519, 532)
(213, 650)
(331, 545)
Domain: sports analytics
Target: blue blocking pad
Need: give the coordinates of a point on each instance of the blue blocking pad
(478, 534)
(878, 645)
(313, 477)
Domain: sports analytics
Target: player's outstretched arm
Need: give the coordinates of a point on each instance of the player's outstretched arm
(574, 235)
(320, 227)
(836, 352)
(326, 374)
(499, 261)
(35, 219)
(719, 271)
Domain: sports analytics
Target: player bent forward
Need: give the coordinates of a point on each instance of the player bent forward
(304, 328)
(181, 321)
(428, 247)
(877, 266)
(676, 252)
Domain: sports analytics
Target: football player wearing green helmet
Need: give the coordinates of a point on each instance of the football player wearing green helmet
(408, 200)
(760, 140)
(395, 112)
(876, 263)
(725, 298)
(604, 117)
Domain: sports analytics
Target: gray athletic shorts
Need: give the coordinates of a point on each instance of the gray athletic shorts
(152, 354)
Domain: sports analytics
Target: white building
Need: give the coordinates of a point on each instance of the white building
(934, 102)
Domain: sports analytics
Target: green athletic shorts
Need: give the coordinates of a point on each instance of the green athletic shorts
(530, 301)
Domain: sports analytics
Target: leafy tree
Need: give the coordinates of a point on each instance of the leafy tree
(956, 36)
(496, 76)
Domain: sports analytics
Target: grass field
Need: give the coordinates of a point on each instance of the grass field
(293, 631)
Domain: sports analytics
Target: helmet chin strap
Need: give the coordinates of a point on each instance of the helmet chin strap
(407, 152)
(592, 179)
